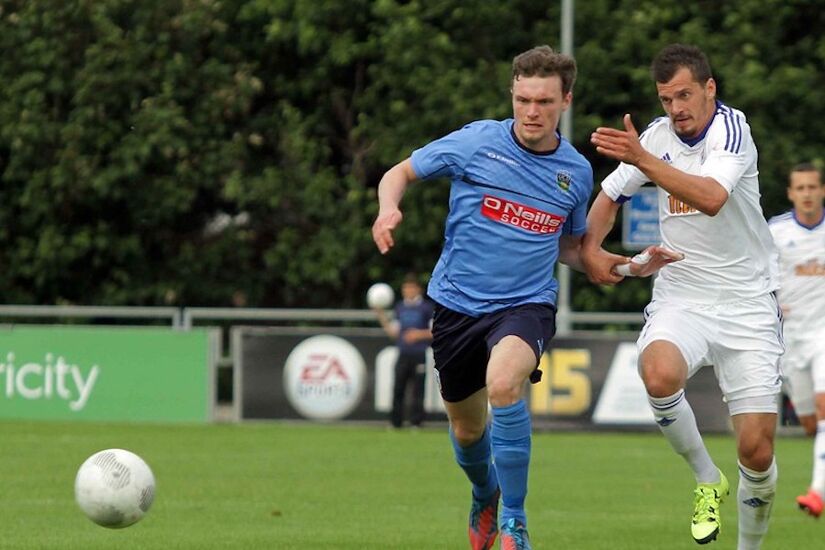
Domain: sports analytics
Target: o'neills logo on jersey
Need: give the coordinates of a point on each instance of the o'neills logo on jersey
(519, 215)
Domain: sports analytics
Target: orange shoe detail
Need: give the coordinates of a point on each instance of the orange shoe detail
(811, 503)
(514, 536)
(483, 525)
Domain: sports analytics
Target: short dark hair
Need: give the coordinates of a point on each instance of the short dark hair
(545, 61)
(411, 278)
(805, 167)
(676, 56)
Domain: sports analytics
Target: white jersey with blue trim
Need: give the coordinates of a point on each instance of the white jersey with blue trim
(729, 256)
(508, 207)
(802, 275)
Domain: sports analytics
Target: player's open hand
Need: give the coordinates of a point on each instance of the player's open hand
(648, 262)
(621, 145)
(383, 227)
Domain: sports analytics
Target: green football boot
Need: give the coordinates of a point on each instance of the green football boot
(707, 498)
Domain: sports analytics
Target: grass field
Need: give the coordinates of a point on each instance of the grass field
(298, 486)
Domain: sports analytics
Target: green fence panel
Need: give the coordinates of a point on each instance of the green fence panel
(105, 373)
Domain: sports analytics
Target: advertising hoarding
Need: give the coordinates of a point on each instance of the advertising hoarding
(106, 373)
(587, 382)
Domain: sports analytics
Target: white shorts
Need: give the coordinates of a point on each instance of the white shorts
(742, 340)
(803, 372)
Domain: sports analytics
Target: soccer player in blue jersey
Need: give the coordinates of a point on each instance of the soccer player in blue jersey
(518, 201)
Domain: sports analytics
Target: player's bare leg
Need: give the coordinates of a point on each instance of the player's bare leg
(812, 501)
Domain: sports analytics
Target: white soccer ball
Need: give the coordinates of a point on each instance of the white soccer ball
(114, 488)
(380, 296)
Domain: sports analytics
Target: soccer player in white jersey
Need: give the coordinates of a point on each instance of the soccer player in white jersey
(800, 237)
(717, 306)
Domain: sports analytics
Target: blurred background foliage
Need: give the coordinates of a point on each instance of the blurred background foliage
(204, 152)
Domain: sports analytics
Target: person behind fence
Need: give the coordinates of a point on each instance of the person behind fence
(716, 307)
(411, 331)
(518, 201)
(799, 235)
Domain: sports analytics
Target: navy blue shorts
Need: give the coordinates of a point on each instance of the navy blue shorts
(461, 343)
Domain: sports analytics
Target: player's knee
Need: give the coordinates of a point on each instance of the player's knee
(502, 391)
(467, 433)
(808, 423)
(660, 380)
(756, 454)
(820, 411)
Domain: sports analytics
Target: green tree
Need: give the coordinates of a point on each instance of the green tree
(187, 151)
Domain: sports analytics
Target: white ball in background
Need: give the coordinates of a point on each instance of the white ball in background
(114, 488)
(380, 296)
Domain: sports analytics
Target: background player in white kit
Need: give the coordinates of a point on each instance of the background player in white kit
(800, 236)
(717, 306)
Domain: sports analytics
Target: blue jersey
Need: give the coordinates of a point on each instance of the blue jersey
(508, 207)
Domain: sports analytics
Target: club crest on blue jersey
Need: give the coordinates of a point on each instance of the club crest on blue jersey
(563, 180)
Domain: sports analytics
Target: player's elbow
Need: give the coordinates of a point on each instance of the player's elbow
(711, 209)
(714, 200)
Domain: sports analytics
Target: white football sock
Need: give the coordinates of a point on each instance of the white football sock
(818, 479)
(755, 500)
(678, 424)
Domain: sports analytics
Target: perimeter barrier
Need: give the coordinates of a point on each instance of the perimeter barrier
(325, 365)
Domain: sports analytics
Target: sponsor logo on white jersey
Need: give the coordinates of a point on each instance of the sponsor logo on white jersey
(677, 207)
(811, 268)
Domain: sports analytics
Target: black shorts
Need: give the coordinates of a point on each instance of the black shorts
(461, 343)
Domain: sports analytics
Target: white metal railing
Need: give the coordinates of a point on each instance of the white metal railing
(274, 314)
(193, 314)
(118, 312)
(185, 318)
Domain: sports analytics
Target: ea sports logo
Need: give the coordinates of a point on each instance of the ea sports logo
(324, 377)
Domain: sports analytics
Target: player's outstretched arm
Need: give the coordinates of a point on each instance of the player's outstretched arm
(390, 192)
(598, 263)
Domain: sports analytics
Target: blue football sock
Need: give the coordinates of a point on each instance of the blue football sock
(511, 454)
(475, 460)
